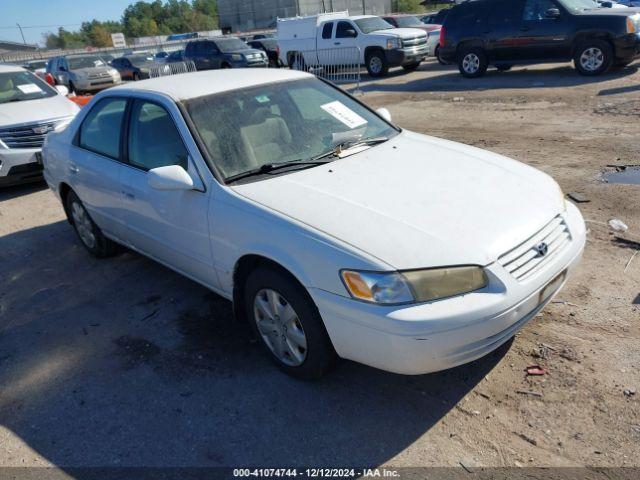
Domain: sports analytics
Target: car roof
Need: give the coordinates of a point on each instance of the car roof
(197, 84)
(10, 68)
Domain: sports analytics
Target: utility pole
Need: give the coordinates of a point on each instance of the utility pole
(21, 33)
(364, 8)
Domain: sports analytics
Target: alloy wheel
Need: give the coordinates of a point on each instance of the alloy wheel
(375, 65)
(280, 327)
(591, 59)
(471, 63)
(83, 225)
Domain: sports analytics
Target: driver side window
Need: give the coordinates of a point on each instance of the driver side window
(535, 10)
(345, 30)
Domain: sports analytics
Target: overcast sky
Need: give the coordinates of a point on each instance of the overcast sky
(40, 16)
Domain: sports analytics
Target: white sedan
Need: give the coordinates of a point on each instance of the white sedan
(334, 232)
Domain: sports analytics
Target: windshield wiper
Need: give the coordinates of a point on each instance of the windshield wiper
(341, 147)
(270, 167)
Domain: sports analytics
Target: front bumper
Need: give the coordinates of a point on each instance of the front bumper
(627, 47)
(20, 165)
(264, 63)
(95, 85)
(433, 336)
(405, 56)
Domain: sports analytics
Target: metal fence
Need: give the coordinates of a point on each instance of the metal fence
(338, 65)
(172, 69)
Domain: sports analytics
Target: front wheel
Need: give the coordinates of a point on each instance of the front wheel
(288, 324)
(89, 233)
(377, 64)
(472, 62)
(594, 57)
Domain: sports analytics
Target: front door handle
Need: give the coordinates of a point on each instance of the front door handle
(336, 43)
(129, 196)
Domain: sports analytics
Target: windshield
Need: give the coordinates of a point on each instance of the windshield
(22, 86)
(282, 122)
(372, 24)
(88, 61)
(409, 22)
(579, 5)
(231, 45)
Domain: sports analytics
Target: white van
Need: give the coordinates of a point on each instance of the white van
(29, 109)
(337, 38)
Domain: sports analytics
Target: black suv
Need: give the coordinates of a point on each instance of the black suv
(221, 52)
(502, 33)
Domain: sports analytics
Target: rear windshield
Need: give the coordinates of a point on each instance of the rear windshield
(22, 86)
(372, 24)
(408, 22)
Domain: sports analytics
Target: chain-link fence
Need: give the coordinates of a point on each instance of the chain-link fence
(338, 65)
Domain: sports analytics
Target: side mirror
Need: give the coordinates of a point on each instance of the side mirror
(351, 33)
(552, 13)
(62, 90)
(384, 113)
(172, 177)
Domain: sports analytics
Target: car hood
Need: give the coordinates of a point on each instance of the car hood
(401, 32)
(418, 201)
(34, 111)
(616, 12)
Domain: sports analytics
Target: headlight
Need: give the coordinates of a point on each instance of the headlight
(81, 75)
(112, 71)
(62, 124)
(413, 286)
(394, 43)
(632, 22)
(237, 56)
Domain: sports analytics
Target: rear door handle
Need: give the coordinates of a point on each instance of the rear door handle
(73, 169)
(128, 195)
(336, 43)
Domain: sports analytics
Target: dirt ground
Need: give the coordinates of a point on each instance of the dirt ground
(122, 362)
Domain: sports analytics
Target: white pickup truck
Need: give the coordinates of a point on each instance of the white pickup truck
(337, 39)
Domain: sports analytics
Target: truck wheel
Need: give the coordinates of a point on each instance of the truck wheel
(593, 57)
(377, 64)
(437, 55)
(411, 66)
(472, 62)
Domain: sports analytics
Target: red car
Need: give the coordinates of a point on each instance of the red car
(405, 20)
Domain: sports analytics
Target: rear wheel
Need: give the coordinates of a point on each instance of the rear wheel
(225, 65)
(377, 64)
(288, 323)
(136, 76)
(593, 57)
(72, 87)
(88, 232)
(437, 55)
(411, 66)
(472, 62)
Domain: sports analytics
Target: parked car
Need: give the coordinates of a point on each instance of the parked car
(629, 3)
(83, 73)
(39, 67)
(404, 20)
(435, 18)
(29, 109)
(336, 38)
(270, 47)
(221, 52)
(161, 56)
(175, 56)
(135, 67)
(536, 31)
(333, 232)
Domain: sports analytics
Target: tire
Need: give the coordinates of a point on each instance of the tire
(287, 323)
(436, 53)
(136, 76)
(72, 88)
(411, 67)
(472, 62)
(224, 66)
(296, 62)
(377, 64)
(593, 57)
(88, 232)
(503, 68)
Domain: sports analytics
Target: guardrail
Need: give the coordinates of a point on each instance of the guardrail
(338, 65)
(173, 68)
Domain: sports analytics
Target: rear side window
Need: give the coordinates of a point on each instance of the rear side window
(327, 30)
(154, 140)
(505, 13)
(535, 10)
(100, 130)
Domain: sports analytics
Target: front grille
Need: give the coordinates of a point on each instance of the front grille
(26, 136)
(525, 260)
(93, 76)
(414, 42)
